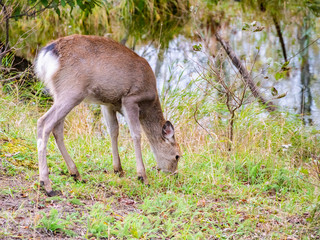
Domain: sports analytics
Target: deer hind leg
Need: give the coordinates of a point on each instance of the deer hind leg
(131, 113)
(45, 126)
(58, 135)
(111, 120)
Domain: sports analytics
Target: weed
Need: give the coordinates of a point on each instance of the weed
(55, 224)
(99, 221)
(76, 201)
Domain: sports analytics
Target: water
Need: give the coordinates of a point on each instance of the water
(180, 65)
(175, 62)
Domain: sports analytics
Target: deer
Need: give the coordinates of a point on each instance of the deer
(100, 70)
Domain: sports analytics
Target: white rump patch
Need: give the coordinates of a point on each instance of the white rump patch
(47, 64)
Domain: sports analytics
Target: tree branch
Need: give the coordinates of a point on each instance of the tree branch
(244, 73)
(195, 118)
(7, 17)
(34, 12)
(279, 32)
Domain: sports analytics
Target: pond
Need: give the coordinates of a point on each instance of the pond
(300, 84)
(277, 42)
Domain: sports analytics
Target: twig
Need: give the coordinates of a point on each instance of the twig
(301, 50)
(255, 60)
(195, 118)
(309, 182)
(12, 78)
(27, 14)
(6, 16)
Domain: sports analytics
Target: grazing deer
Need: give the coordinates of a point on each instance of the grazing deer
(100, 70)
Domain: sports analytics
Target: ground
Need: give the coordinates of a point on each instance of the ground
(259, 190)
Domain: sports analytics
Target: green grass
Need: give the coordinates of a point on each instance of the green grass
(258, 190)
(55, 224)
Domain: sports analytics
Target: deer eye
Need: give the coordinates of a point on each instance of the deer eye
(177, 157)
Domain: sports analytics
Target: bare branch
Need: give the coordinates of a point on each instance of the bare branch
(30, 13)
(255, 60)
(195, 118)
(13, 78)
(245, 74)
(301, 50)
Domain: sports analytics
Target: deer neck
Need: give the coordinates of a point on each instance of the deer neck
(152, 121)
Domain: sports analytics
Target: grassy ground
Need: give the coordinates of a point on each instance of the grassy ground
(265, 188)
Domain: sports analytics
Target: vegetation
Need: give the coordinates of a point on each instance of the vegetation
(264, 188)
(245, 173)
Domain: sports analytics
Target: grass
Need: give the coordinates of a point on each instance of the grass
(262, 189)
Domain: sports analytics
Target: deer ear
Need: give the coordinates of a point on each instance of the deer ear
(167, 130)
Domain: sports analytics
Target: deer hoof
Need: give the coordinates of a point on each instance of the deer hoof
(119, 172)
(42, 184)
(143, 180)
(53, 193)
(77, 178)
(46, 187)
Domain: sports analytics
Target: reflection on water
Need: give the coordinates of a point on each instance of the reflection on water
(178, 65)
(262, 33)
(173, 67)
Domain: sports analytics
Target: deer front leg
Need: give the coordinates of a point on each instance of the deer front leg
(113, 127)
(131, 113)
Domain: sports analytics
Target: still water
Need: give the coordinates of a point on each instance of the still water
(180, 65)
(263, 34)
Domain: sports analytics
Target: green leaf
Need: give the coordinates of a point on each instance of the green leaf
(63, 3)
(16, 11)
(80, 4)
(274, 91)
(279, 75)
(75, 201)
(258, 29)
(281, 95)
(44, 2)
(197, 47)
(304, 171)
(58, 11)
(285, 67)
(71, 4)
(245, 27)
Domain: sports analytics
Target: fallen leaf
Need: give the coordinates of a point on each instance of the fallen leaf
(201, 203)
(126, 201)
